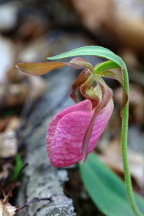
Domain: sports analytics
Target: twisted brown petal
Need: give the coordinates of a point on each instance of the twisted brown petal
(101, 103)
(39, 68)
(79, 63)
(78, 82)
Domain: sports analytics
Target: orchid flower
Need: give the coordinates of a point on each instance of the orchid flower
(73, 133)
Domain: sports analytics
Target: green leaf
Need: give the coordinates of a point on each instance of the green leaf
(17, 168)
(99, 68)
(106, 189)
(96, 51)
(93, 51)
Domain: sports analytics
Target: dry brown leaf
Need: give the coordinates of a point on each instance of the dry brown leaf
(136, 100)
(8, 146)
(37, 87)
(17, 94)
(5, 171)
(12, 95)
(32, 27)
(4, 123)
(130, 58)
(7, 57)
(15, 76)
(6, 209)
(38, 49)
(13, 124)
(9, 123)
(38, 68)
(94, 14)
(8, 16)
(122, 21)
(129, 22)
(111, 156)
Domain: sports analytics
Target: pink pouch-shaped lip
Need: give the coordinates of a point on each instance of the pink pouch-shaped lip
(67, 129)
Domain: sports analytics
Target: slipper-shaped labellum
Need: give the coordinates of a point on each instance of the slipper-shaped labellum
(66, 132)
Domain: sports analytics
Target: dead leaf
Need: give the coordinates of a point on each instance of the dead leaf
(130, 58)
(6, 209)
(15, 76)
(5, 171)
(39, 68)
(13, 124)
(111, 156)
(94, 14)
(12, 95)
(38, 49)
(32, 27)
(129, 23)
(7, 57)
(4, 123)
(9, 123)
(8, 146)
(136, 100)
(37, 87)
(8, 16)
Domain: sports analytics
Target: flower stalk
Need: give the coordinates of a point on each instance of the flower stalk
(128, 183)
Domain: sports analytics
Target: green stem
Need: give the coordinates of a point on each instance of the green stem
(124, 133)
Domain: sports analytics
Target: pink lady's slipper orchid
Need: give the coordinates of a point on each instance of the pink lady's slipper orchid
(73, 133)
(66, 132)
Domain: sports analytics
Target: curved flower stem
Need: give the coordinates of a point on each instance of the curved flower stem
(124, 133)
